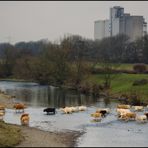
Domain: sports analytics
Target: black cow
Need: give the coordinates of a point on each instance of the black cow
(49, 110)
(103, 112)
(146, 115)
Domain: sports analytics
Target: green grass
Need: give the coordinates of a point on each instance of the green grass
(122, 83)
(126, 66)
(121, 66)
(9, 135)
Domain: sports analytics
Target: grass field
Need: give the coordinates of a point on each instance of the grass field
(121, 66)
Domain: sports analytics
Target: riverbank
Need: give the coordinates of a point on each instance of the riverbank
(123, 84)
(22, 136)
(37, 138)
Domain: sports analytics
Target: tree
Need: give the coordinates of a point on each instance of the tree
(111, 51)
(76, 45)
(8, 60)
(22, 69)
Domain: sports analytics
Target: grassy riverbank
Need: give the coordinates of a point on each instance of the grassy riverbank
(123, 83)
(10, 135)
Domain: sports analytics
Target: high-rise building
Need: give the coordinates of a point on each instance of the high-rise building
(120, 23)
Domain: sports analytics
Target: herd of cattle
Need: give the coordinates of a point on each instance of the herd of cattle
(123, 112)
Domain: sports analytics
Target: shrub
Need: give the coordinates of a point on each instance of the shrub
(140, 68)
(124, 98)
(134, 99)
(95, 89)
(140, 82)
(85, 88)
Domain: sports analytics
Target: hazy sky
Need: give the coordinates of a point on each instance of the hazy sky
(35, 20)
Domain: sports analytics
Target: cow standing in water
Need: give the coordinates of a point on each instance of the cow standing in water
(25, 119)
(50, 110)
(19, 107)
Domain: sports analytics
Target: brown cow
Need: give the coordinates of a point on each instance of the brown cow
(96, 115)
(25, 119)
(19, 107)
(2, 108)
(2, 115)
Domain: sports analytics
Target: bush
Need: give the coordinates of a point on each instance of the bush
(124, 98)
(134, 99)
(140, 82)
(140, 68)
(85, 88)
(96, 89)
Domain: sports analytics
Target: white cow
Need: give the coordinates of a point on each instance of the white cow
(82, 108)
(138, 108)
(141, 118)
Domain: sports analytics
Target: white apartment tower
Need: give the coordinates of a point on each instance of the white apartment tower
(120, 23)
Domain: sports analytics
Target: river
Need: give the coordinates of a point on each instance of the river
(109, 132)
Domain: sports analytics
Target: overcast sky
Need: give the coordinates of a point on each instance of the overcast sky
(35, 20)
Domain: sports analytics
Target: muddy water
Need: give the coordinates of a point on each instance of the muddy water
(108, 132)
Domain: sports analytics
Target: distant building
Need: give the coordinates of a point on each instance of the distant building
(101, 29)
(120, 23)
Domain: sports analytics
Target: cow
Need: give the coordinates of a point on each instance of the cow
(128, 115)
(66, 110)
(141, 118)
(25, 119)
(50, 110)
(146, 115)
(2, 108)
(103, 111)
(96, 115)
(19, 107)
(138, 108)
(123, 106)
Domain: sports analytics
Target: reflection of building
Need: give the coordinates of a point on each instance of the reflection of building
(120, 23)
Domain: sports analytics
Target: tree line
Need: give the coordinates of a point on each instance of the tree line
(70, 60)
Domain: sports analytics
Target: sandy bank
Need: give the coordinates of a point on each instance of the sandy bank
(37, 138)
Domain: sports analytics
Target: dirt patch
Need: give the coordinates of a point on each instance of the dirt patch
(37, 138)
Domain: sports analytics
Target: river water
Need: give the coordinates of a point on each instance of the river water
(108, 132)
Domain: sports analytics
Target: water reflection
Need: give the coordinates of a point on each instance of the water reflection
(37, 95)
(107, 101)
